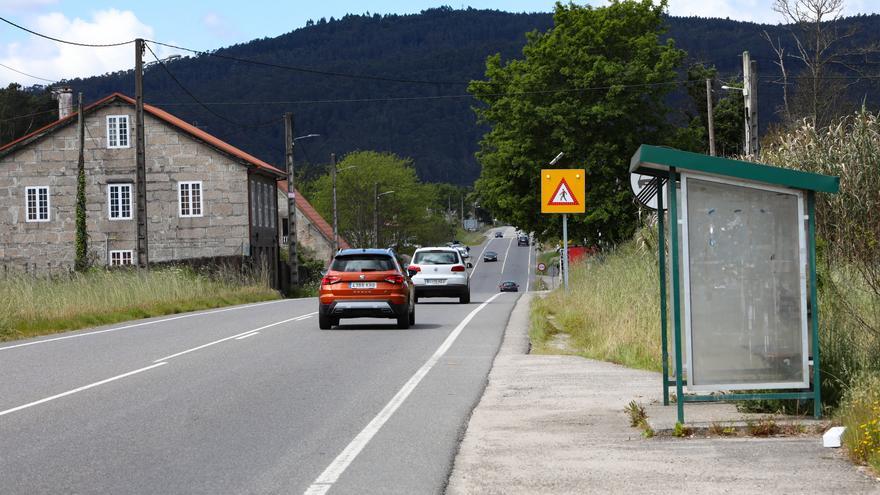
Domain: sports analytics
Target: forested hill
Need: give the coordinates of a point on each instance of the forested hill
(431, 123)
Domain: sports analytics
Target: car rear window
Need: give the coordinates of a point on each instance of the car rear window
(435, 258)
(363, 263)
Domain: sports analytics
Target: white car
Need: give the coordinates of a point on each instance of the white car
(440, 272)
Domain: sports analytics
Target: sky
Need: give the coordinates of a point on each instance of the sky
(207, 25)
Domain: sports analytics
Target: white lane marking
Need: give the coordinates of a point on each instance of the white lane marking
(529, 269)
(341, 463)
(306, 317)
(209, 344)
(246, 336)
(510, 243)
(80, 389)
(480, 258)
(140, 324)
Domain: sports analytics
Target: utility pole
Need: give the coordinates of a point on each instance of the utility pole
(335, 214)
(462, 210)
(376, 215)
(710, 119)
(750, 98)
(82, 235)
(291, 202)
(143, 258)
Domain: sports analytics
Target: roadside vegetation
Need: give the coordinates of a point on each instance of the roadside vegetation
(470, 238)
(611, 310)
(38, 306)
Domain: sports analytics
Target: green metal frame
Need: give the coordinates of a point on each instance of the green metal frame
(656, 161)
(815, 393)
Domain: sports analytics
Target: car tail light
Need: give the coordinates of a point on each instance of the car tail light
(458, 268)
(330, 279)
(414, 268)
(394, 279)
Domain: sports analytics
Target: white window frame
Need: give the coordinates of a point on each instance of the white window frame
(188, 185)
(120, 215)
(122, 257)
(37, 213)
(113, 122)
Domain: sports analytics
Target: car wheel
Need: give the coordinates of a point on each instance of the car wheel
(465, 298)
(403, 321)
(324, 322)
(412, 315)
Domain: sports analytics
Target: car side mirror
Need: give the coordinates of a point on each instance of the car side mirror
(470, 265)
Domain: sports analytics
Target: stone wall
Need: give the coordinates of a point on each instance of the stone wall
(171, 157)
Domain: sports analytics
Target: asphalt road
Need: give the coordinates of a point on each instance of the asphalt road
(254, 399)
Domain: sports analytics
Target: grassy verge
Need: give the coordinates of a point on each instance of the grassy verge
(31, 307)
(860, 413)
(469, 238)
(611, 311)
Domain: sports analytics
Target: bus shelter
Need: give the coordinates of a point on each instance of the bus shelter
(745, 320)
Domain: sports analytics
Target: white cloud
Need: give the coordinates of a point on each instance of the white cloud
(56, 61)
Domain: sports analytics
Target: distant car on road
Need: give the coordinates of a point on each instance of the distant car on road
(499, 234)
(366, 283)
(508, 286)
(490, 256)
(440, 272)
(523, 240)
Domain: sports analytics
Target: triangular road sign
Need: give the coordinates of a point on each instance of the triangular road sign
(563, 196)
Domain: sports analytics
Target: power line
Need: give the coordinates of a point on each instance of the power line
(199, 102)
(434, 97)
(26, 74)
(308, 70)
(18, 117)
(66, 42)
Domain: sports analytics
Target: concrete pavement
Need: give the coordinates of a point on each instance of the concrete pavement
(555, 424)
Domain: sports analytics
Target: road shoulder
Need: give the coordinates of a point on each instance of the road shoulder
(555, 424)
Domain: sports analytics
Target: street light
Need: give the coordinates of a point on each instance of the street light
(333, 172)
(376, 213)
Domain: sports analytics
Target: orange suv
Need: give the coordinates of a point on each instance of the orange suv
(366, 283)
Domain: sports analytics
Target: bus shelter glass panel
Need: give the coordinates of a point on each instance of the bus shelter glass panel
(745, 276)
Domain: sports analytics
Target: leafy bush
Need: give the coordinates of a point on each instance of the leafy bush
(860, 413)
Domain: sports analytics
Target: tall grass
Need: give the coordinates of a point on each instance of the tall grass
(611, 310)
(36, 306)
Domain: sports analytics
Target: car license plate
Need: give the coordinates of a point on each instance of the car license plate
(435, 281)
(362, 285)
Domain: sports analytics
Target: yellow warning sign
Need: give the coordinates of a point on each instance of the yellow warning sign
(563, 190)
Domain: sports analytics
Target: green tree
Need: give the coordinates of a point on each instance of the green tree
(408, 216)
(23, 111)
(592, 86)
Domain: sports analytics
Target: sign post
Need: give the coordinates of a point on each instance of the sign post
(563, 191)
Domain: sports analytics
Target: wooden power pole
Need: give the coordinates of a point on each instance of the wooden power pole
(750, 98)
(143, 258)
(710, 119)
(292, 262)
(335, 214)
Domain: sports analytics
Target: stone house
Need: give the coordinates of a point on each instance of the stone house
(312, 231)
(205, 197)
